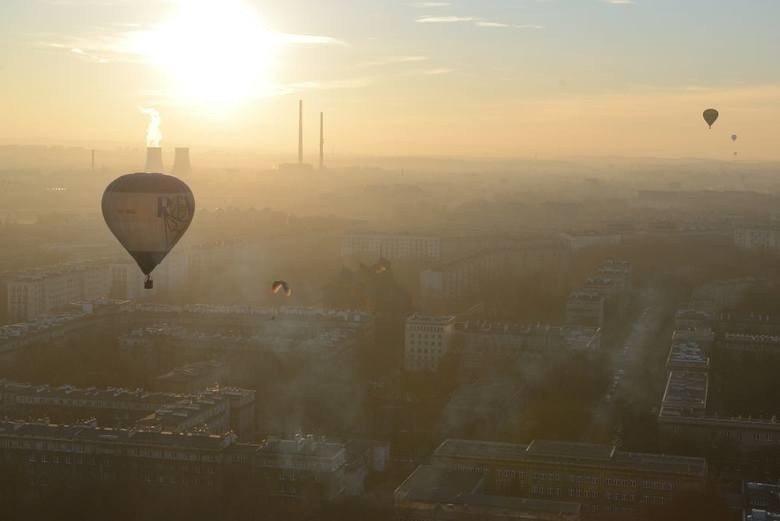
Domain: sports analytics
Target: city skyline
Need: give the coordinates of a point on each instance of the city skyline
(499, 78)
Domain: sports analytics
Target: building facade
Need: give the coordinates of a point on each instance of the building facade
(427, 339)
(216, 410)
(38, 292)
(297, 470)
(602, 478)
(391, 246)
(466, 277)
(438, 493)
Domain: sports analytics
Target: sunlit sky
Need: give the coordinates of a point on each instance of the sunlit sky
(471, 77)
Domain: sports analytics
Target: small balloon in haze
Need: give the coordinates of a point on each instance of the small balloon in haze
(710, 116)
(280, 285)
(733, 137)
(148, 214)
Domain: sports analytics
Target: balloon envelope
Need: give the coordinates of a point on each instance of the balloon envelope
(148, 214)
(710, 116)
(733, 137)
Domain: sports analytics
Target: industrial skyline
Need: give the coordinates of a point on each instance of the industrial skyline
(502, 78)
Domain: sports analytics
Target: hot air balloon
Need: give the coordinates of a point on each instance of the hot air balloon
(710, 116)
(148, 214)
(733, 137)
(279, 285)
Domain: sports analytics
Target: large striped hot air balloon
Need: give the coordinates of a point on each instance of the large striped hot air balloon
(148, 214)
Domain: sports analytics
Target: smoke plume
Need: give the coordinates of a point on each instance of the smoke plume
(153, 134)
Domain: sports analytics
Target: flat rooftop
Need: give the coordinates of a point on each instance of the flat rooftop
(686, 390)
(570, 450)
(434, 484)
(585, 295)
(568, 453)
(687, 354)
(79, 433)
(438, 320)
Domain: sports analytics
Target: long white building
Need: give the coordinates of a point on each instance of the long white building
(390, 246)
(37, 292)
(758, 237)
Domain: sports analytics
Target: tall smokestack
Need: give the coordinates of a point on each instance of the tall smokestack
(322, 141)
(181, 162)
(300, 132)
(154, 163)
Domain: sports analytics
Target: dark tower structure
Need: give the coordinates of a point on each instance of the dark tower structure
(154, 162)
(300, 132)
(181, 162)
(322, 141)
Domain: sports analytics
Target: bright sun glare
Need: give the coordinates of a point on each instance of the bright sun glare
(216, 52)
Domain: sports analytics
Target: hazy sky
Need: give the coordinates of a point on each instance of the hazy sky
(469, 77)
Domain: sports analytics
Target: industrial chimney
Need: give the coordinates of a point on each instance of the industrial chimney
(154, 163)
(300, 132)
(322, 141)
(181, 162)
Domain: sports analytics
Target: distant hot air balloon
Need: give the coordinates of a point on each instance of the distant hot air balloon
(148, 214)
(279, 285)
(710, 116)
(733, 137)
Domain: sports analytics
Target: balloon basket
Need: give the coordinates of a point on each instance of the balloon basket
(148, 283)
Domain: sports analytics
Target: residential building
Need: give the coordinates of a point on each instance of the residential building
(585, 308)
(758, 237)
(296, 470)
(762, 496)
(604, 479)
(367, 245)
(604, 297)
(216, 410)
(485, 345)
(591, 239)
(427, 340)
(687, 355)
(193, 377)
(724, 294)
(768, 345)
(434, 493)
(465, 277)
(37, 292)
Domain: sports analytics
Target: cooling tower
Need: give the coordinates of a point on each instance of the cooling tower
(154, 163)
(181, 162)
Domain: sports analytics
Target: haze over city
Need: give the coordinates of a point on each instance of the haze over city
(392, 260)
(507, 78)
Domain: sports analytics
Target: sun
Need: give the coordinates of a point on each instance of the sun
(214, 52)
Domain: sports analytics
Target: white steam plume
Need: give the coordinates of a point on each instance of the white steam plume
(153, 134)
